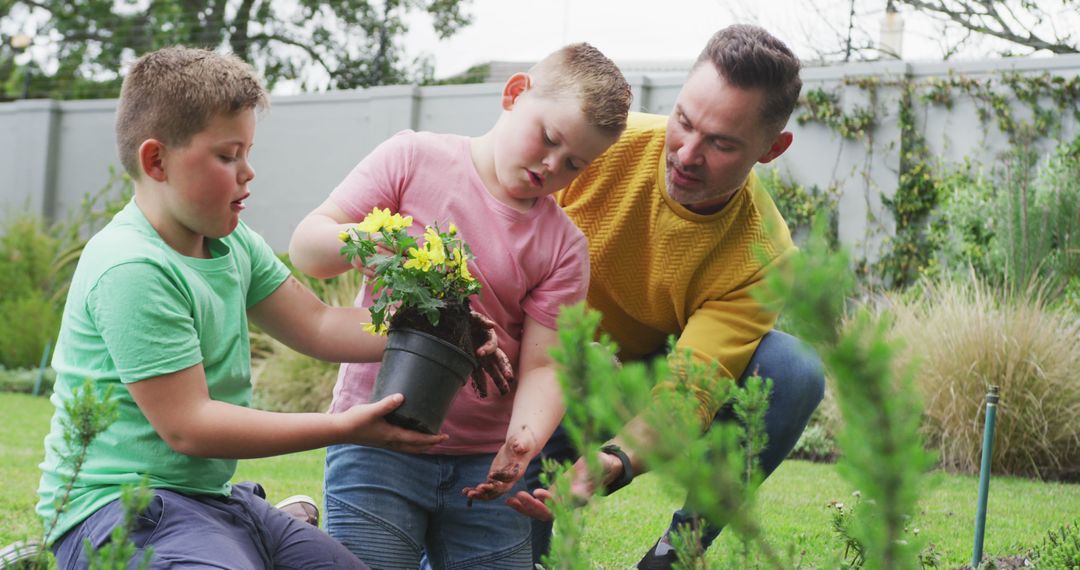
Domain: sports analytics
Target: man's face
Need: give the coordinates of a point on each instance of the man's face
(715, 136)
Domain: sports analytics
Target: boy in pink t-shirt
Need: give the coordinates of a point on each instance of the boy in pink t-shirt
(390, 507)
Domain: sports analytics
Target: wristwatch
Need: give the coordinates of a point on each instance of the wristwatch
(627, 468)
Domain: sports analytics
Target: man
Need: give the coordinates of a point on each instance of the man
(678, 226)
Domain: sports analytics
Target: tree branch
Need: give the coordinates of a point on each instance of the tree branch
(971, 19)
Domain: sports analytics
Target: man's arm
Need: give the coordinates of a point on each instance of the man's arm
(724, 331)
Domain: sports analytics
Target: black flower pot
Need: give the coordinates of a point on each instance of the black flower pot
(428, 371)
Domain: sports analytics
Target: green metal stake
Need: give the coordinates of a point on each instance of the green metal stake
(41, 368)
(984, 474)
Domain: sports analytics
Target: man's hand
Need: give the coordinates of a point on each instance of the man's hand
(581, 489)
(366, 425)
(508, 467)
(493, 362)
(533, 506)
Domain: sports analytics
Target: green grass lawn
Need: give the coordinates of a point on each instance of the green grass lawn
(792, 504)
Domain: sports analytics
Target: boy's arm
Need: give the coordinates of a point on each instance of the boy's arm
(179, 407)
(538, 409)
(315, 247)
(296, 317)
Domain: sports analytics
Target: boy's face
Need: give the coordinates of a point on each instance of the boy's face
(544, 144)
(715, 135)
(207, 178)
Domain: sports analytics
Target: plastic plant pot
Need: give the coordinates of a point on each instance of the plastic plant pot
(428, 371)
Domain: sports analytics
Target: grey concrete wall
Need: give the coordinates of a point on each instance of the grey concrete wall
(54, 153)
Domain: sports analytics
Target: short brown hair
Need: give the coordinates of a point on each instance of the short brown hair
(172, 94)
(749, 57)
(582, 70)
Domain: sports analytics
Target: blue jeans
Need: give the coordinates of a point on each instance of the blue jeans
(389, 507)
(798, 387)
(238, 532)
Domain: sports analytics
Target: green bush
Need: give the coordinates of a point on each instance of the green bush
(29, 316)
(967, 336)
(1060, 549)
(1018, 223)
(36, 263)
(815, 444)
(23, 380)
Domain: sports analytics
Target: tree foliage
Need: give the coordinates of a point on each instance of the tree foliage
(337, 44)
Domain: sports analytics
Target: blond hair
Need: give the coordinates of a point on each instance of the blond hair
(583, 71)
(172, 94)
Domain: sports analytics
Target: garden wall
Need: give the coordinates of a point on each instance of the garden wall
(53, 153)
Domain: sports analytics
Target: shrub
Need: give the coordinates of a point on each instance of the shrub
(23, 380)
(29, 321)
(1060, 548)
(28, 315)
(37, 260)
(1015, 224)
(815, 444)
(966, 336)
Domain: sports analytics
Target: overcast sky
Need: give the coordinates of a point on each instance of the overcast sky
(625, 30)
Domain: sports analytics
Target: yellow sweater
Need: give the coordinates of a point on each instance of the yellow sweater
(658, 269)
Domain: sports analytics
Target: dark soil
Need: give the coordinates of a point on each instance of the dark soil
(455, 325)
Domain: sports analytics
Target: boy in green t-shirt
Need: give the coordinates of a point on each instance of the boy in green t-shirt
(159, 307)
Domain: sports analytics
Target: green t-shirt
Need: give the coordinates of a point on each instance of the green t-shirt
(137, 309)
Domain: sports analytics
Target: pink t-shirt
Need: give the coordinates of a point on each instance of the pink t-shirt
(529, 263)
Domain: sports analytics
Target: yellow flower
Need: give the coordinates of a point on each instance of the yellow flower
(453, 229)
(343, 236)
(421, 259)
(375, 221)
(397, 222)
(380, 330)
(434, 246)
(456, 257)
(463, 270)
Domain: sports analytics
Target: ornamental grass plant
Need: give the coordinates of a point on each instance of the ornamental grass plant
(968, 335)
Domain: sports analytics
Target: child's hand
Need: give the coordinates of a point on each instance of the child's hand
(493, 361)
(366, 426)
(534, 505)
(509, 466)
(369, 271)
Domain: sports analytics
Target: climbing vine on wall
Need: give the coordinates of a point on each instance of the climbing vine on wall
(1048, 99)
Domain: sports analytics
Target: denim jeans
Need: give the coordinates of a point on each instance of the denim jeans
(389, 507)
(798, 387)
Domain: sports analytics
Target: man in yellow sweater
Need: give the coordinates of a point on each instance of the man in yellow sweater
(678, 228)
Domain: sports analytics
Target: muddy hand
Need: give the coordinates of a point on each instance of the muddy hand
(507, 468)
(494, 486)
(493, 362)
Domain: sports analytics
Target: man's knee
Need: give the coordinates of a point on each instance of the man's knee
(792, 365)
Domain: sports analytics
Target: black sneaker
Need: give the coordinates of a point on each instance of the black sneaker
(302, 508)
(660, 557)
(19, 554)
